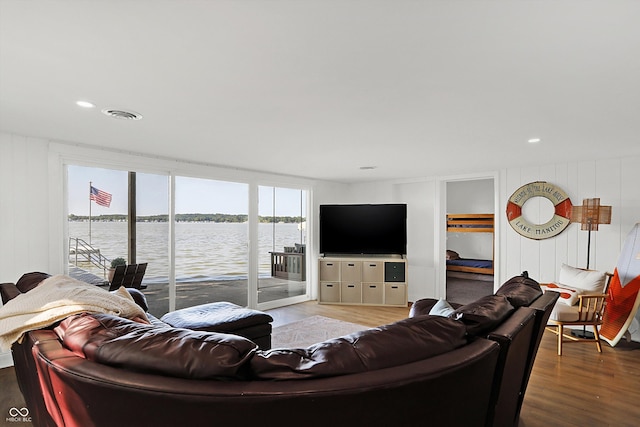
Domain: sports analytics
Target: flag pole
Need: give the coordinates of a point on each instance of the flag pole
(90, 213)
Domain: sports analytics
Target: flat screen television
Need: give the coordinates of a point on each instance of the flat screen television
(373, 229)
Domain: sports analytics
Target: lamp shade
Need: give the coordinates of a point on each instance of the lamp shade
(590, 214)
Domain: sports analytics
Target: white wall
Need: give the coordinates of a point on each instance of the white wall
(470, 196)
(31, 214)
(420, 198)
(24, 206)
(24, 210)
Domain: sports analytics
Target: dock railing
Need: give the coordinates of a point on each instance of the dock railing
(81, 251)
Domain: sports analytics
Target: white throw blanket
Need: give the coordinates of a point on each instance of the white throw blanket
(56, 298)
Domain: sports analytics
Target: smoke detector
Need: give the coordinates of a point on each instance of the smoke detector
(122, 114)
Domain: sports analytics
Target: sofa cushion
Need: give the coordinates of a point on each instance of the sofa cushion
(29, 281)
(520, 290)
(482, 315)
(112, 340)
(396, 344)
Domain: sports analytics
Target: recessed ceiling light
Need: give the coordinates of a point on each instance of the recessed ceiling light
(367, 168)
(534, 140)
(84, 104)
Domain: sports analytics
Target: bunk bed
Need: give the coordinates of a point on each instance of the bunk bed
(469, 223)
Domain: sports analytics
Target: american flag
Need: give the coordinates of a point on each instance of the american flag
(100, 197)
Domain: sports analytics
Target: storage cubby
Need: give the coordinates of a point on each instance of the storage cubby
(367, 281)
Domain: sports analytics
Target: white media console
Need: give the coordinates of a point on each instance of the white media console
(366, 281)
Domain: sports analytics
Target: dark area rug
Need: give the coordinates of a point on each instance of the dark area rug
(463, 290)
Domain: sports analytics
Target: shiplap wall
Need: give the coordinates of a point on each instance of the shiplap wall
(614, 181)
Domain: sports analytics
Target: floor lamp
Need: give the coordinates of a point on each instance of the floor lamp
(589, 215)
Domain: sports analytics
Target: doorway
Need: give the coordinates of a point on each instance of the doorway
(470, 239)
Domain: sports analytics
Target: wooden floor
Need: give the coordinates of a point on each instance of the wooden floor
(580, 388)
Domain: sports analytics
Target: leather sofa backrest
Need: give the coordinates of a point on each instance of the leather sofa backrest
(395, 344)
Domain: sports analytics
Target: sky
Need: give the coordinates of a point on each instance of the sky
(193, 195)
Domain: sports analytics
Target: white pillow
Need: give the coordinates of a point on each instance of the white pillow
(568, 296)
(586, 280)
(441, 308)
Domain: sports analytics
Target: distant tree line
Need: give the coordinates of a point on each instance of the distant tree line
(195, 217)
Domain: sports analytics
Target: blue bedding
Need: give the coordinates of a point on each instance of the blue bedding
(478, 263)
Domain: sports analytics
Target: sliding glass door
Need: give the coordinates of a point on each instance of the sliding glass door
(211, 232)
(282, 238)
(197, 251)
(119, 214)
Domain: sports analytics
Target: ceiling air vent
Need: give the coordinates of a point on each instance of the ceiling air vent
(122, 114)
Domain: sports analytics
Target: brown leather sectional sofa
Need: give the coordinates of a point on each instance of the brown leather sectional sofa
(469, 369)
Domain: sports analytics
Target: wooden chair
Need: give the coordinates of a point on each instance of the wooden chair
(129, 276)
(588, 312)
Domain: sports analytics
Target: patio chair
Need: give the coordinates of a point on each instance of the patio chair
(129, 276)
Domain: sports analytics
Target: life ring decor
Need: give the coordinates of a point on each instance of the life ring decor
(553, 227)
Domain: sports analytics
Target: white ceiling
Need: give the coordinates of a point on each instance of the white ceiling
(320, 88)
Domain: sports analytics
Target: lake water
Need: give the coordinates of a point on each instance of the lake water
(204, 250)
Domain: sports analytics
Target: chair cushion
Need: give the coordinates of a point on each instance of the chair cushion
(112, 340)
(588, 280)
(564, 313)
